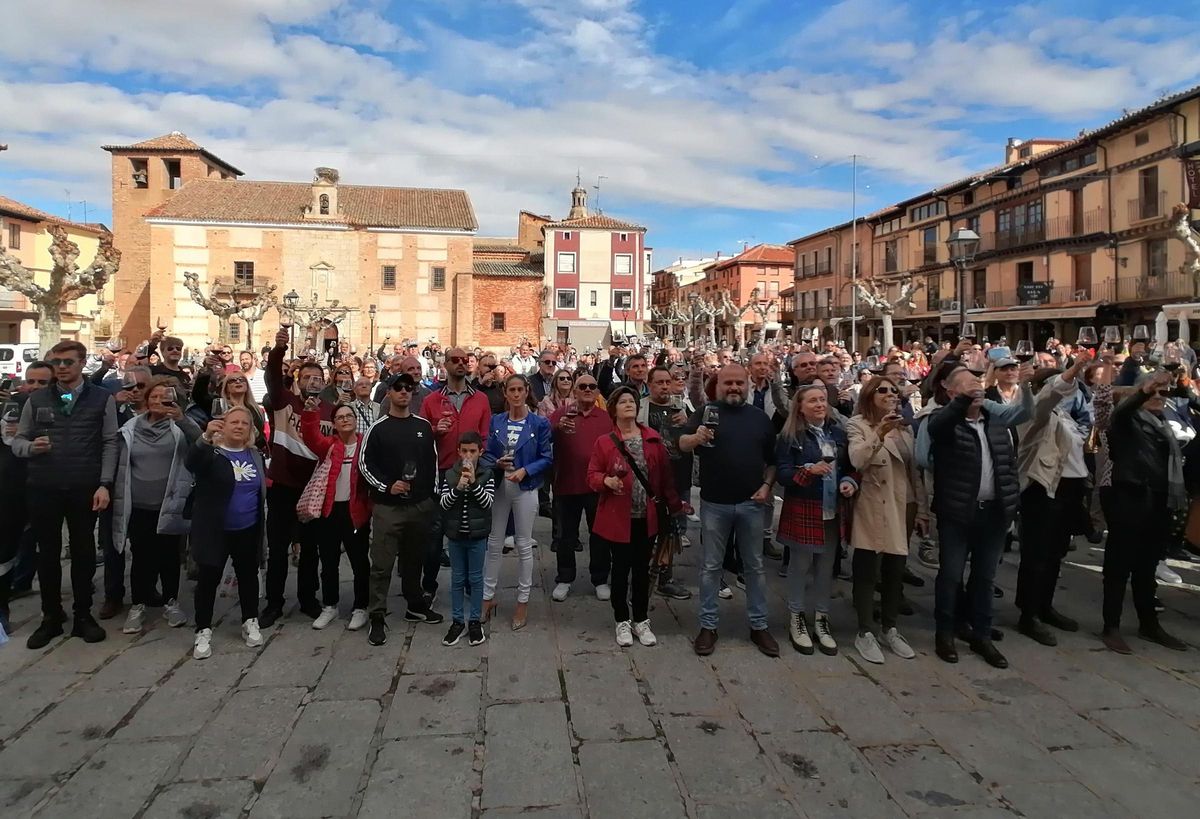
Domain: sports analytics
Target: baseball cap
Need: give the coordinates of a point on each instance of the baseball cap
(1006, 362)
(405, 379)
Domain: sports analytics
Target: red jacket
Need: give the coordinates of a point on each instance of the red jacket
(331, 446)
(613, 512)
(476, 415)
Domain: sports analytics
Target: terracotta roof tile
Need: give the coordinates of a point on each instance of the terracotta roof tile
(22, 211)
(506, 270)
(596, 221)
(499, 247)
(770, 254)
(228, 200)
(174, 141)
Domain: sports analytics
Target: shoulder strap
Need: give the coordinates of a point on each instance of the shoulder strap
(637, 470)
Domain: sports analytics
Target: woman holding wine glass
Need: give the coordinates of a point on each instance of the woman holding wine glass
(518, 446)
(235, 392)
(559, 394)
(631, 471)
(813, 467)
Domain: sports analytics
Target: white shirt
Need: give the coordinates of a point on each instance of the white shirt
(258, 385)
(341, 489)
(987, 476)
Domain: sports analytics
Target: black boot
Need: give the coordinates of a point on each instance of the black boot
(988, 651)
(945, 648)
(50, 628)
(87, 629)
(1036, 630)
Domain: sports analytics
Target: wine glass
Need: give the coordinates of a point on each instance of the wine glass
(619, 469)
(510, 453)
(711, 419)
(44, 418)
(1112, 335)
(1172, 357)
(408, 473)
(828, 452)
(1141, 333)
(220, 406)
(1087, 337)
(572, 412)
(12, 412)
(968, 331)
(873, 363)
(170, 397)
(160, 324)
(115, 345)
(1024, 351)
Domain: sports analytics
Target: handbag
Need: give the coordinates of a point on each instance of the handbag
(312, 500)
(667, 543)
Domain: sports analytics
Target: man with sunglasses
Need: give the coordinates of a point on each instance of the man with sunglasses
(541, 382)
(68, 431)
(487, 383)
(171, 355)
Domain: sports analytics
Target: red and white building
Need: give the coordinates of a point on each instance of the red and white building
(596, 276)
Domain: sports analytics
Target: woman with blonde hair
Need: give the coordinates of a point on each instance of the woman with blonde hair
(882, 450)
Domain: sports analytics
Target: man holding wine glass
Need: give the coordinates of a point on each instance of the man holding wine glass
(68, 431)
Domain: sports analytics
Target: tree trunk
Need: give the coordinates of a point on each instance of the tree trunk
(887, 340)
(222, 329)
(249, 341)
(49, 325)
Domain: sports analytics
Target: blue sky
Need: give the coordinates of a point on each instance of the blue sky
(713, 123)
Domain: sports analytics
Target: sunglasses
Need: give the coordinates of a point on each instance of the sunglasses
(236, 380)
(565, 380)
(62, 362)
(402, 388)
(586, 387)
(888, 391)
(549, 361)
(173, 347)
(457, 359)
(1162, 393)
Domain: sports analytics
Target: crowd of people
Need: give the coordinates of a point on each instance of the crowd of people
(421, 459)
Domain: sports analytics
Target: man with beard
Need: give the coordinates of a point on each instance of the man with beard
(737, 474)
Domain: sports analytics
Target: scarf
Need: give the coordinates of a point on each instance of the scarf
(829, 483)
(1177, 499)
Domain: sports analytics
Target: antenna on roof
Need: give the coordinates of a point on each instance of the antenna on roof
(596, 188)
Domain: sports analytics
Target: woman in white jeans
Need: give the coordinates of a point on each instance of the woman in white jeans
(518, 447)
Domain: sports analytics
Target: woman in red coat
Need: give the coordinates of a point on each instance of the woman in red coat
(346, 511)
(627, 516)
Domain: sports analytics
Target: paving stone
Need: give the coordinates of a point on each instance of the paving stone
(523, 666)
(532, 764)
(551, 812)
(919, 684)
(293, 657)
(679, 681)
(1053, 724)
(828, 776)
(137, 766)
(921, 777)
(766, 694)
(625, 779)
(75, 728)
(1084, 689)
(997, 750)
(245, 737)
(359, 670)
(864, 711)
(1062, 800)
(209, 799)
(719, 761)
(1158, 733)
(1164, 689)
(436, 704)
(18, 796)
(1002, 687)
(759, 810)
(1130, 777)
(427, 655)
(604, 698)
(187, 700)
(24, 696)
(74, 655)
(321, 764)
(422, 777)
(146, 660)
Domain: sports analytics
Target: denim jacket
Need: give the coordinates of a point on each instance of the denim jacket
(533, 452)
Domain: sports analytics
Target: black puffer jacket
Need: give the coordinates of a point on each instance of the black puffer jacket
(1138, 451)
(957, 460)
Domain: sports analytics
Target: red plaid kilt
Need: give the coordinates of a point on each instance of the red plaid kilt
(800, 522)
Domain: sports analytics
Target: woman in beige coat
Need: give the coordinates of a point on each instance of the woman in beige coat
(882, 450)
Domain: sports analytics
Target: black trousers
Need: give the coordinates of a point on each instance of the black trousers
(48, 509)
(631, 573)
(569, 509)
(1047, 525)
(14, 513)
(155, 558)
(335, 533)
(243, 548)
(870, 568)
(432, 563)
(1137, 533)
(283, 528)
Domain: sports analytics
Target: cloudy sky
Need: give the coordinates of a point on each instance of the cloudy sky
(714, 123)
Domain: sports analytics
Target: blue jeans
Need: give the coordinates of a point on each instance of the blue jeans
(982, 539)
(466, 568)
(718, 522)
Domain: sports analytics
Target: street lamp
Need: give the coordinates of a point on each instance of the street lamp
(289, 302)
(371, 312)
(963, 244)
(625, 321)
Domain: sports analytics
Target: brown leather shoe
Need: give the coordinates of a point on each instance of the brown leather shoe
(706, 642)
(1113, 641)
(110, 609)
(765, 642)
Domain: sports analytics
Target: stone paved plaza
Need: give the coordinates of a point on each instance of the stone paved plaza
(557, 721)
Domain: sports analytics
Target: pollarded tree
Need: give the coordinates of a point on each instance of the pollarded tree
(67, 281)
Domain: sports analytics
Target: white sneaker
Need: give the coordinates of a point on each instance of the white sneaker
(644, 634)
(251, 633)
(694, 518)
(898, 644)
(825, 639)
(561, 590)
(868, 648)
(328, 615)
(134, 620)
(202, 649)
(1165, 574)
(624, 634)
(533, 542)
(725, 593)
(358, 619)
(174, 615)
(604, 592)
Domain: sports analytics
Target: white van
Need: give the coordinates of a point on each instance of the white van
(15, 357)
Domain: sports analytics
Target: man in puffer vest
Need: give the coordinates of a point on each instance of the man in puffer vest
(68, 431)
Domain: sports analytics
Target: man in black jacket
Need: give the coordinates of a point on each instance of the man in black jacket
(398, 460)
(975, 496)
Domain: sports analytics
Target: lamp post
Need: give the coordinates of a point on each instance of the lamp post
(625, 321)
(289, 302)
(371, 312)
(963, 244)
